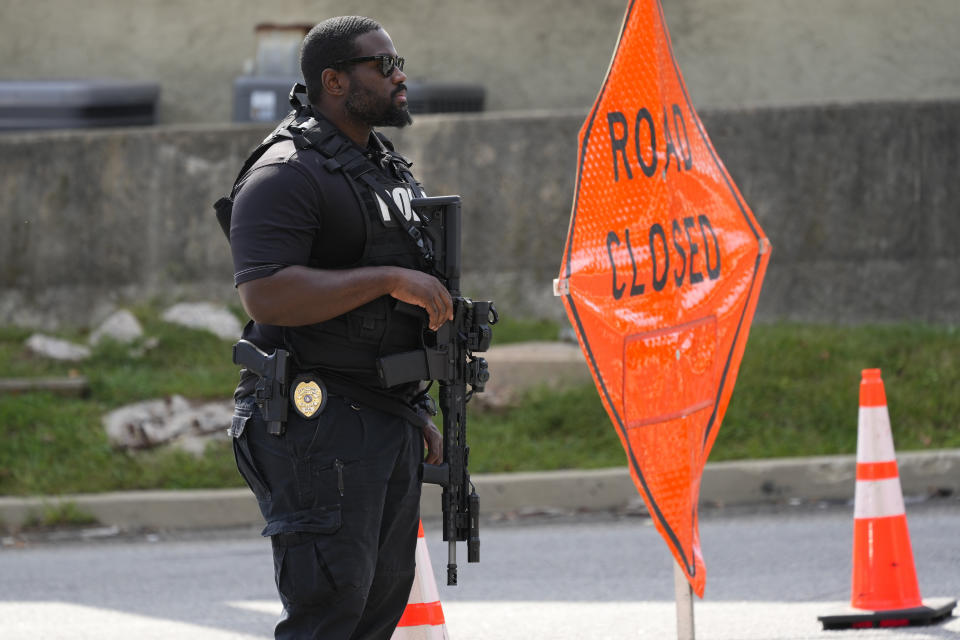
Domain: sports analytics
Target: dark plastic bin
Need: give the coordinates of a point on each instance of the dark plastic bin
(69, 104)
(444, 97)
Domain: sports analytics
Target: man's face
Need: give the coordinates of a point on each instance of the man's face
(373, 99)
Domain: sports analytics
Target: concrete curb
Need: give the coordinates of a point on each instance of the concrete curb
(825, 478)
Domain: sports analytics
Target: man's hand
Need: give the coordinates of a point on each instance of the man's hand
(424, 290)
(433, 441)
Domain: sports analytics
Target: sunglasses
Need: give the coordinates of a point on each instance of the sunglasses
(387, 63)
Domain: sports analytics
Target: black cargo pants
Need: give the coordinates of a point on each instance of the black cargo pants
(341, 497)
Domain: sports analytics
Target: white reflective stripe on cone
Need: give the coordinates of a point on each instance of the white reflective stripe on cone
(424, 584)
(874, 439)
(423, 617)
(420, 633)
(878, 499)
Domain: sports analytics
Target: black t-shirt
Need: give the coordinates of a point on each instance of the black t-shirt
(283, 217)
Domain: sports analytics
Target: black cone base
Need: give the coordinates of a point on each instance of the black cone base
(932, 611)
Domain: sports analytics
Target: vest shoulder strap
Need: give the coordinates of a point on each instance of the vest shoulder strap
(280, 133)
(343, 155)
(224, 206)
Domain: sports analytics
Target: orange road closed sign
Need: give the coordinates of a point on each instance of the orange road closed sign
(660, 276)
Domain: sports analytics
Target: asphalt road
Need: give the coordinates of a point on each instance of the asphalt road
(770, 573)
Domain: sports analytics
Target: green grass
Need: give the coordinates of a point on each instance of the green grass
(54, 445)
(798, 389)
(509, 330)
(796, 395)
(57, 515)
(548, 430)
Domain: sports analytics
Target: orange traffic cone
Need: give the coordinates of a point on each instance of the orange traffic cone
(885, 591)
(423, 617)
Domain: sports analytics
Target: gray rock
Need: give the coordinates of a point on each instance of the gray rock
(141, 348)
(170, 420)
(144, 424)
(56, 348)
(122, 326)
(203, 315)
(515, 368)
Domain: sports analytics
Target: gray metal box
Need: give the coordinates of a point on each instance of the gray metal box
(262, 98)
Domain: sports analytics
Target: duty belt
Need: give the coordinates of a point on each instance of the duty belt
(308, 391)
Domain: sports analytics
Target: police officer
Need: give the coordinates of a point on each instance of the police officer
(323, 242)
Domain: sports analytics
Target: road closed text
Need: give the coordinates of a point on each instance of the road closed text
(685, 252)
(636, 147)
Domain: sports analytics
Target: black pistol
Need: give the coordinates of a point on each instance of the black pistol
(272, 387)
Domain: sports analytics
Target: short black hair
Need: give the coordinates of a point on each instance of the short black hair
(326, 43)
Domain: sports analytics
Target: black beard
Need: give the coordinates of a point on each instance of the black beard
(366, 107)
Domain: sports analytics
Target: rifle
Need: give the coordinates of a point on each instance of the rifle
(447, 357)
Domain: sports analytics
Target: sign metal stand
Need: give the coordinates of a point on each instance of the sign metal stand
(684, 595)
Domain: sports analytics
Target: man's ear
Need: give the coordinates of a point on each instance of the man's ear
(334, 82)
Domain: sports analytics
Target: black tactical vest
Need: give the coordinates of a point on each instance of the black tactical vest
(347, 347)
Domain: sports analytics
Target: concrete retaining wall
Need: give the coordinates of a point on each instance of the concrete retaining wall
(858, 200)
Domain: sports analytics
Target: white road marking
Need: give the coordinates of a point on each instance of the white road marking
(619, 620)
(66, 621)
